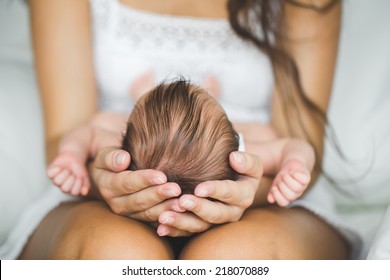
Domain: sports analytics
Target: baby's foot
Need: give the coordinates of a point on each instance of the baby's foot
(290, 183)
(68, 171)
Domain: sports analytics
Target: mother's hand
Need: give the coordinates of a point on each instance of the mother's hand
(232, 199)
(140, 194)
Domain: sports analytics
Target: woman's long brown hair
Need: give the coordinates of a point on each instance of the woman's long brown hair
(245, 16)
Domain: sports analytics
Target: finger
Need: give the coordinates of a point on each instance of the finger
(165, 230)
(213, 212)
(68, 184)
(247, 164)
(278, 178)
(85, 186)
(145, 199)
(61, 177)
(279, 198)
(79, 170)
(304, 178)
(183, 221)
(112, 158)
(287, 192)
(229, 192)
(293, 184)
(270, 198)
(76, 189)
(53, 171)
(129, 182)
(152, 214)
(78, 184)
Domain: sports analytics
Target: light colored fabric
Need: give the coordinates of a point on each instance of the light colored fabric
(22, 175)
(360, 115)
(380, 247)
(128, 43)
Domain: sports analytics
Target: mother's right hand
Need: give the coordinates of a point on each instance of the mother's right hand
(142, 194)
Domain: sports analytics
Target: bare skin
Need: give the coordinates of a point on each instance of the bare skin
(286, 234)
(70, 100)
(81, 230)
(300, 236)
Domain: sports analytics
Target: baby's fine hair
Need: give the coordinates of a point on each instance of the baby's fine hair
(181, 130)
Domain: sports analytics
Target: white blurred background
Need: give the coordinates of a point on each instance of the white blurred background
(22, 174)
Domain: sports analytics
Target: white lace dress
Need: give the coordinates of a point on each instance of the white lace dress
(129, 44)
(132, 46)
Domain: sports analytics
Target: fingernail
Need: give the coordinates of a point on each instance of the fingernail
(170, 193)
(177, 208)
(119, 158)
(168, 220)
(188, 204)
(157, 180)
(202, 193)
(162, 232)
(239, 157)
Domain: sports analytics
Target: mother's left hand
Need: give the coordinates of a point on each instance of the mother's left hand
(232, 199)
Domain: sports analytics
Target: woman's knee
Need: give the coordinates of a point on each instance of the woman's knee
(272, 233)
(90, 230)
(100, 234)
(240, 240)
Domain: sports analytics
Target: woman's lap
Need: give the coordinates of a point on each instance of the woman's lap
(270, 233)
(89, 230)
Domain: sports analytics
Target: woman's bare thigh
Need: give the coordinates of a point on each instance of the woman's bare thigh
(89, 230)
(270, 233)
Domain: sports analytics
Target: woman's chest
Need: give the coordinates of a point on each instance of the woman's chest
(134, 47)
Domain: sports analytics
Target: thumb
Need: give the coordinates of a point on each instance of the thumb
(112, 158)
(246, 164)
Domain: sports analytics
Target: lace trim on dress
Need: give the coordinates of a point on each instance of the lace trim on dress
(144, 28)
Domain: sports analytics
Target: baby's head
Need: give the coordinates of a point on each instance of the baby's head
(181, 130)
